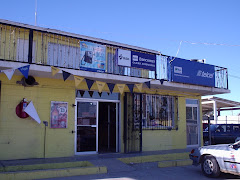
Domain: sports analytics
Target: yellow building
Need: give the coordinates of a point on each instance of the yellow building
(64, 94)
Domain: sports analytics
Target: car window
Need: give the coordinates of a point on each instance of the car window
(221, 128)
(236, 128)
(228, 129)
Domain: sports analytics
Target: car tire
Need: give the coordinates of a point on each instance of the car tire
(210, 167)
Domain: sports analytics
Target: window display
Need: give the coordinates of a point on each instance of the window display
(158, 111)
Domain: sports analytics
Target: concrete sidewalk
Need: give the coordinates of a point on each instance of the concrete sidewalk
(88, 164)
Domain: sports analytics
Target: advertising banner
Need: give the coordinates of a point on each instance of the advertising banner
(93, 57)
(143, 61)
(59, 114)
(124, 58)
(192, 72)
(136, 59)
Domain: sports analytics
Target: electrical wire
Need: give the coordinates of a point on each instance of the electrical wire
(234, 76)
(177, 52)
(214, 44)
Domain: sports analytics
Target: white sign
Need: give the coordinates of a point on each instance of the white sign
(177, 69)
(124, 58)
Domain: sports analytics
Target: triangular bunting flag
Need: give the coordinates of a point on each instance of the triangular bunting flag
(100, 94)
(108, 93)
(9, 73)
(89, 83)
(82, 93)
(24, 70)
(78, 80)
(77, 93)
(31, 111)
(139, 86)
(90, 93)
(148, 84)
(111, 87)
(121, 87)
(130, 87)
(100, 85)
(54, 70)
(65, 75)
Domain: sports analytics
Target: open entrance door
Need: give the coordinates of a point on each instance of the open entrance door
(107, 127)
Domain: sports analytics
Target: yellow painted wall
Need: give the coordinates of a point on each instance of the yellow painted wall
(154, 140)
(24, 138)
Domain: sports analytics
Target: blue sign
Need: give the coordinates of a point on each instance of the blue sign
(93, 57)
(143, 61)
(192, 72)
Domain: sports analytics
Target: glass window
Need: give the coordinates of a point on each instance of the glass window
(221, 128)
(158, 111)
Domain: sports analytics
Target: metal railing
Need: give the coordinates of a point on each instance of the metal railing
(38, 47)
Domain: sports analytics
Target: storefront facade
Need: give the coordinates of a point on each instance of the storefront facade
(89, 96)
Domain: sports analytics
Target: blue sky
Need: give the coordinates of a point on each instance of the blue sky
(154, 24)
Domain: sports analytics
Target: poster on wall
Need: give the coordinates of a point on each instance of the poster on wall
(59, 114)
(92, 57)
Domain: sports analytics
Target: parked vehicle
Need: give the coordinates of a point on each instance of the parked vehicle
(222, 133)
(215, 159)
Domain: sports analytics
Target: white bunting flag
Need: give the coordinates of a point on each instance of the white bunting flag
(9, 73)
(31, 111)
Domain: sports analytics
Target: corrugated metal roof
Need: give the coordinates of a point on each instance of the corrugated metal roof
(83, 37)
(220, 103)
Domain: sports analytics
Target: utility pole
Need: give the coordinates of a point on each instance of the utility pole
(209, 131)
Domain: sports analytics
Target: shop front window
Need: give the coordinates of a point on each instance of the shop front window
(158, 112)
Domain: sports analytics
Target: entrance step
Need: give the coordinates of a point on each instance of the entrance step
(50, 170)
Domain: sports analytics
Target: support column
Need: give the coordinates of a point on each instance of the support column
(215, 111)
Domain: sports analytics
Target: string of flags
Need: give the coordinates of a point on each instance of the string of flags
(100, 84)
(9, 72)
(78, 79)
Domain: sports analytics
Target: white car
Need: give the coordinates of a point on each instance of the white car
(215, 159)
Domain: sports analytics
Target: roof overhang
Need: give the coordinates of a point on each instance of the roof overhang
(184, 89)
(221, 103)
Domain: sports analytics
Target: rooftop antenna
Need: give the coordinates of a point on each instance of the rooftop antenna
(35, 12)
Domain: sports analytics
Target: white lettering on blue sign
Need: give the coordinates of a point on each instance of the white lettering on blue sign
(205, 74)
(146, 60)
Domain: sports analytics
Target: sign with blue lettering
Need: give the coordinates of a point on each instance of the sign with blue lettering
(143, 61)
(192, 72)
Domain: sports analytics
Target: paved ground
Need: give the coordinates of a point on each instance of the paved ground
(151, 171)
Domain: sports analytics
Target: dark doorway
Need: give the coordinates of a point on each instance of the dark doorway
(107, 127)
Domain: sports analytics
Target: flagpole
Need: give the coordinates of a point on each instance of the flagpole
(35, 12)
